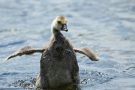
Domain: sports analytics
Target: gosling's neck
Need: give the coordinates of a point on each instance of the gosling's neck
(55, 31)
(57, 35)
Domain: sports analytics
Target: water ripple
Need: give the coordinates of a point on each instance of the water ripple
(12, 43)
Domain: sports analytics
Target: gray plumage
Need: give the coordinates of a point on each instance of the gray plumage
(58, 64)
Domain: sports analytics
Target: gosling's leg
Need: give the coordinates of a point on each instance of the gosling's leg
(27, 50)
(89, 53)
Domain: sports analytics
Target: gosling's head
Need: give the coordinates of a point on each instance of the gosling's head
(59, 24)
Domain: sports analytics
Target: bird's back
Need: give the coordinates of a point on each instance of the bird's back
(58, 65)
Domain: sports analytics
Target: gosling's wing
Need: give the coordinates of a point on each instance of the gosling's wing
(89, 53)
(27, 50)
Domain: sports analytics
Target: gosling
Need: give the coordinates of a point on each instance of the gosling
(58, 64)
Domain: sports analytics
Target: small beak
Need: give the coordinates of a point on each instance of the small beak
(64, 27)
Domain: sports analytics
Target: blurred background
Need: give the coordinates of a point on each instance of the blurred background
(105, 26)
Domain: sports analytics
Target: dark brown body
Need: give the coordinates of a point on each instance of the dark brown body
(58, 64)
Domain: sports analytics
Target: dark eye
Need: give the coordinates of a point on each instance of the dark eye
(59, 22)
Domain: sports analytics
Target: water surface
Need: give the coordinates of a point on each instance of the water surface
(105, 26)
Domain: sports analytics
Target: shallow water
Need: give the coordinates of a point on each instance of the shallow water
(105, 26)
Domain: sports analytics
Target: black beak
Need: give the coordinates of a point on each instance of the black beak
(64, 27)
